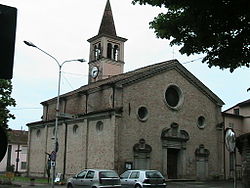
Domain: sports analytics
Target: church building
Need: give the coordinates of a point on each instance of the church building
(155, 117)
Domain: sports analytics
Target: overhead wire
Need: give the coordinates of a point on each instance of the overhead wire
(191, 61)
(77, 74)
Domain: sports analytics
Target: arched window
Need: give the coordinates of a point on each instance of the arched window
(116, 52)
(97, 51)
(75, 129)
(38, 132)
(99, 127)
(109, 51)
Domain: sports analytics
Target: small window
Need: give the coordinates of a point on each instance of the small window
(142, 113)
(23, 165)
(24, 150)
(75, 128)
(231, 125)
(237, 111)
(38, 132)
(201, 122)
(173, 96)
(134, 175)
(99, 127)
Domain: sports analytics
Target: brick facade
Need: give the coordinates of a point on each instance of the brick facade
(126, 119)
(116, 107)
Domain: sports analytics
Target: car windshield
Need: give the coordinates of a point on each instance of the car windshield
(153, 174)
(108, 174)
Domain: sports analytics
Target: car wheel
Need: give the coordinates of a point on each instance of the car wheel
(137, 186)
(69, 186)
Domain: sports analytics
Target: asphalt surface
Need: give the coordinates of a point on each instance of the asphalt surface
(183, 184)
(207, 184)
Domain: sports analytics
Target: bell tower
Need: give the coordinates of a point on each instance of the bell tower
(106, 56)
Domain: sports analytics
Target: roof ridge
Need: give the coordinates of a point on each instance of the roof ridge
(112, 79)
(136, 74)
(238, 104)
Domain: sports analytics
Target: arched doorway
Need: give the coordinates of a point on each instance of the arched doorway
(174, 151)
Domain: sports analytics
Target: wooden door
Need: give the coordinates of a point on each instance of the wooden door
(172, 163)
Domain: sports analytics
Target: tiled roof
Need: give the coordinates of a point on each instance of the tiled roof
(244, 103)
(247, 102)
(142, 73)
(18, 137)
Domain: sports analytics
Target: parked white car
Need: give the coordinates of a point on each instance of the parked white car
(142, 179)
(95, 178)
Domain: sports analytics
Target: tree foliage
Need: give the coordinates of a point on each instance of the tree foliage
(5, 101)
(218, 28)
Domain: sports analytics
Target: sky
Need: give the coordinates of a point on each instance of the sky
(62, 28)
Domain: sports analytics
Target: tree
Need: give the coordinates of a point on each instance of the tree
(5, 101)
(218, 28)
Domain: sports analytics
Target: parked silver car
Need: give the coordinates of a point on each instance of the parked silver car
(95, 178)
(142, 179)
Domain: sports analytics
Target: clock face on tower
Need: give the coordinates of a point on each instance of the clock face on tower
(94, 72)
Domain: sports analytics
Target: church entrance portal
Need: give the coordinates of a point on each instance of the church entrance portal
(174, 151)
(172, 160)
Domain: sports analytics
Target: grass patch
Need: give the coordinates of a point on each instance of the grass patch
(27, 179)
(23, 179)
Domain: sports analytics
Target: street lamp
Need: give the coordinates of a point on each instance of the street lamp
(57, 103)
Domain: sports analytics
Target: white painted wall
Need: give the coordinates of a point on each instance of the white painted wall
(22, 157)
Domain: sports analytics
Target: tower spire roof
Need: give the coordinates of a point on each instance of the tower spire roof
(107, 25)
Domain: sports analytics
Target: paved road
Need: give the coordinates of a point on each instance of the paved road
(200, 184)
(190, 184)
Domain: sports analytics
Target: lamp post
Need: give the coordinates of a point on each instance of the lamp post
(57, 104)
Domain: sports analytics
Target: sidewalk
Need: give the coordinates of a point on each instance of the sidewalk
(171, 184)
(204, 184)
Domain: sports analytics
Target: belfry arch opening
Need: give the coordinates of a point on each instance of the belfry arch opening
(97, 51)
(113, 51)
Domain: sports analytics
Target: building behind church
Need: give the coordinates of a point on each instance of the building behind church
(156, 117)
(15, 159)
(236, 118)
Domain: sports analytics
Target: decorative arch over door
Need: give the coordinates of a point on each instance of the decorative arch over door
(142, 155)
(174, 151)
